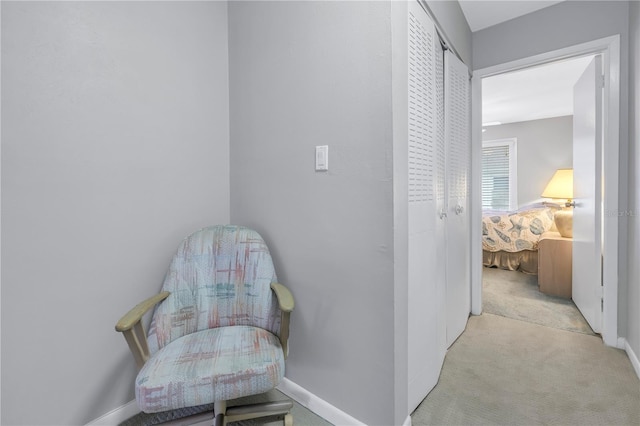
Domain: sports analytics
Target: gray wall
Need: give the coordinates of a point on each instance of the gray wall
(562, 25)
(633, 299)
(313, 73)
(543, 146)
(451, 20)
(115, 145)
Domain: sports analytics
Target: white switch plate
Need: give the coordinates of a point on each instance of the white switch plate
(322, 157)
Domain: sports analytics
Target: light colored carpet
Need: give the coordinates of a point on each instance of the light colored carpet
(507, 372)
(515, 295)
(301, 415)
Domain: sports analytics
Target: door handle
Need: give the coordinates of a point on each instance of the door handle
(442, 214)
(459, 209)
(570, 204)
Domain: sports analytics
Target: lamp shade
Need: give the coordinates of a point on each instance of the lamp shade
(560, 185)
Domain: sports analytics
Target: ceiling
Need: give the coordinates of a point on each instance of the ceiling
(531, 94)
(534, 93)
(481, 14)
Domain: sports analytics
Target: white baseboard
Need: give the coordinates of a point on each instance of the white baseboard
(317, 405)
(407, 421)
(117, 416)
(633, 357)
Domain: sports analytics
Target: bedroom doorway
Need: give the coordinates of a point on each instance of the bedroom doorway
(528, 137)
(608, 49)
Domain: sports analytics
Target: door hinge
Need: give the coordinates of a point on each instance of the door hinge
(602, 81)
(601, 298)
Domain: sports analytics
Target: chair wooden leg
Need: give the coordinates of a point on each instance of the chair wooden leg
(288, 419)
(219, 412)
(223, 415)
(219, 420)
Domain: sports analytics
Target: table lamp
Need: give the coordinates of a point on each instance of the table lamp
(561, 187)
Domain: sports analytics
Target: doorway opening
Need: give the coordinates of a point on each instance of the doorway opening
(608, 50)
(527, 167)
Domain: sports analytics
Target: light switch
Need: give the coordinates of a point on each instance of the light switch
(322, 157)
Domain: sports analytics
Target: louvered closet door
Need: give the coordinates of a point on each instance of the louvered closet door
(458, 160)
(426, 300)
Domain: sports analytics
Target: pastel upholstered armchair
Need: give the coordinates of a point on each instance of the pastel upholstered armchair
(219, 329)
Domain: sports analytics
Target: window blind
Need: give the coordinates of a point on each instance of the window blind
(495, 177)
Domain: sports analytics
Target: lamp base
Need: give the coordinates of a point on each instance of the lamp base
(564, 222)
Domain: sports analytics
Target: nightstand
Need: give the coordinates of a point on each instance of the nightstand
(554, 264)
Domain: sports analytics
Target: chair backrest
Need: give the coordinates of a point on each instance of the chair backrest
(220, 276)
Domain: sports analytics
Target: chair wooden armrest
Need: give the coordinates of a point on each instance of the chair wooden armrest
(286, 305)
(284, 296)
(130, 326)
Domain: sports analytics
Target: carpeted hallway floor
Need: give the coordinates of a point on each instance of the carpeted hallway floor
(530, 359)
(509, 372)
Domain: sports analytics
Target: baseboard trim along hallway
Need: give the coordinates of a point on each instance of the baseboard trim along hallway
(407, 421)
(317, 405)
(633, 357)
(117, 416)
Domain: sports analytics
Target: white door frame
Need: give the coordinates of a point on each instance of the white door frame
(609, 48)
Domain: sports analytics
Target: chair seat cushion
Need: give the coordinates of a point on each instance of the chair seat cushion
(218, 364)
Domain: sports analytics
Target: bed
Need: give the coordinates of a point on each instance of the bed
(510, 239)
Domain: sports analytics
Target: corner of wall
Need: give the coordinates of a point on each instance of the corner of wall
(633, 241)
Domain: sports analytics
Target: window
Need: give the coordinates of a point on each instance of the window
(499, 173)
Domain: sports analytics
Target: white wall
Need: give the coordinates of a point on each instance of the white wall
(566, 24)
(543, 146)
(633, 299)
(319, 73)
(115, 146)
